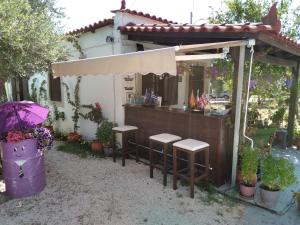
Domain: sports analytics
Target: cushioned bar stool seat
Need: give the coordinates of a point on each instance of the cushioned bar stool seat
(165, 140)
(191, 147)
(125, 131)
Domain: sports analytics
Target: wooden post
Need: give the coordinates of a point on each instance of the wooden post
(293, 104)
(238, 106)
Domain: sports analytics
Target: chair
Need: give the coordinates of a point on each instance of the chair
(191, 147)
(165, 140)
(125, 131)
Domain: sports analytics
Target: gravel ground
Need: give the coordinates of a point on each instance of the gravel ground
(97, 191)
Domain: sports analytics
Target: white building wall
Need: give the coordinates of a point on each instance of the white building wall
(107, 90)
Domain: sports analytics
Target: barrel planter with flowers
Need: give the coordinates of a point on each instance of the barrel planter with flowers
(23, 161)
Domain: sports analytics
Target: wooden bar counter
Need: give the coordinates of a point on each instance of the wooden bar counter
(211, 129)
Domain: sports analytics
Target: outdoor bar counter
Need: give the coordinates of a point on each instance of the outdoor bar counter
(214, 130)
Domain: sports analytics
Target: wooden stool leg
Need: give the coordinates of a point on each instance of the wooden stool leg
(114, 147)
(174, 168)
(165, 149)
(151, 159)
(124, 148)
(137, 158)
(207, 167)
(192, 172)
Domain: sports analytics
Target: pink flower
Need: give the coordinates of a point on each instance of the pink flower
(98, 106)
(16, 136)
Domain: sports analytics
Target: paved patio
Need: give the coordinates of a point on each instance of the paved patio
(98, 191)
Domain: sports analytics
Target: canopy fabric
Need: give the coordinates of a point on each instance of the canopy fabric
(156, 61)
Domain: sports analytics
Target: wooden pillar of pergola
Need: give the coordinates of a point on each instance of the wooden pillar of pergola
(293, 103)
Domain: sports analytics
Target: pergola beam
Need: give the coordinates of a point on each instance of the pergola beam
(274, 60)
(271, 40)
(199, 57)
(200, 47)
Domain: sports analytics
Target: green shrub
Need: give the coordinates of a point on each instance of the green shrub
(104, 133)
(249, 164)
(278, 116)
(277, 173)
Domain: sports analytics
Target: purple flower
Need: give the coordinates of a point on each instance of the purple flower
(253, 84)
(44, 138)
(288, 83)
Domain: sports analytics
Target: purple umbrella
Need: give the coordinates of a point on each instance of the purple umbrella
(21, 115)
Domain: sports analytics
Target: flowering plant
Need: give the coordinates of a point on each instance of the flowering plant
(16, 136)
(44, 138)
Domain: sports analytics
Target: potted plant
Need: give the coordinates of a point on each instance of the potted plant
(277, 174)
(105, 135)
(296, 195)
(249, 164)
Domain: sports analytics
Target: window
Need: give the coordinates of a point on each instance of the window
(20, 90)
(54, 87)
(197, 80)
(165, 86)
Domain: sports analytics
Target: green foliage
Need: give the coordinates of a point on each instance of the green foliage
(105, 134)
(277, 117)
(95, 115)
(296, 195)
(30, 37)
(34, 95)
(74, 40)
(243, 11)
(277, 173)
(83, 149)
(253, 115)
(75, 103)
(58, 114)
(249, 164)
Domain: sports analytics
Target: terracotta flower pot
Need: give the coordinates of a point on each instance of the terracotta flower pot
(96, 146)
(73, 137)
(247, 191)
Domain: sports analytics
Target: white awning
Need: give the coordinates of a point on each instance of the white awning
(156, 61)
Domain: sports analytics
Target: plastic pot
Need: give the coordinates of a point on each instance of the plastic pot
(269, 198)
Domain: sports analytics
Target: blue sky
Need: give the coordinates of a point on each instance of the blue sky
(83, 12)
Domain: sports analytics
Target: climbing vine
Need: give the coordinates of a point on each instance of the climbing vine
(75, 103)
(75, 42)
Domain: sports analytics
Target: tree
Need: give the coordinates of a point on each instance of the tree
(242, 11)
(30, 37)
(268, 77)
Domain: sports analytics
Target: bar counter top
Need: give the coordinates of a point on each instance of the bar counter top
(176, 110)
(208, 128)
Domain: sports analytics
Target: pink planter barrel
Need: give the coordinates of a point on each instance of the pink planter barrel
(23, 168)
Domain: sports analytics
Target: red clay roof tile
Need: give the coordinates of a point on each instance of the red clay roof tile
(92, 27)
(146, 15)
(212, 28)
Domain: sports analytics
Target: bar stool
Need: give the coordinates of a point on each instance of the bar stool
(125, 131)
(191, 147)
(164, 139)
